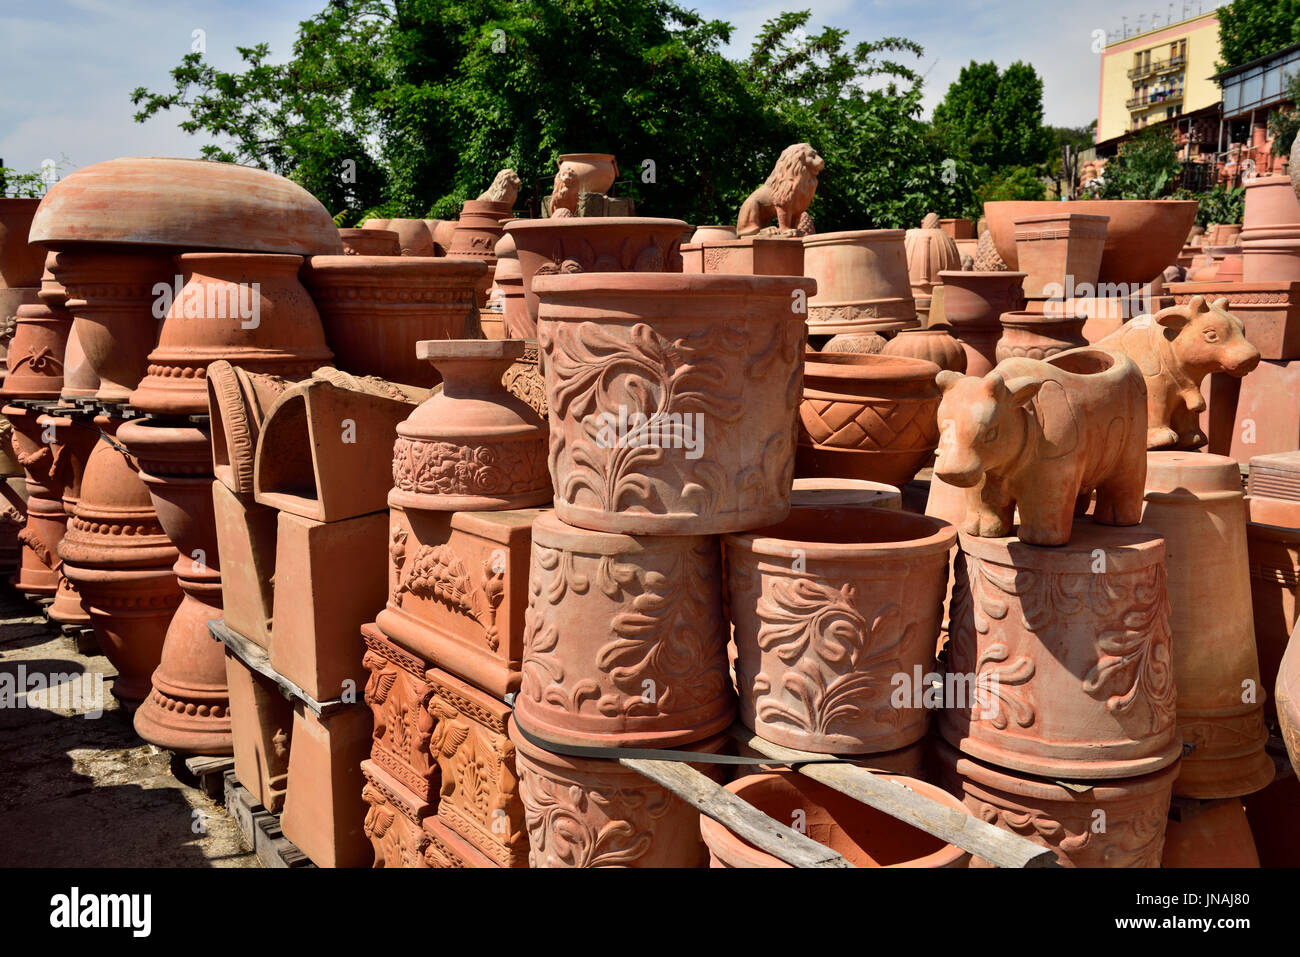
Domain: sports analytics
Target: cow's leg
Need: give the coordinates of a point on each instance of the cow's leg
(996, 511)
(1187, 425)
(1120, 495)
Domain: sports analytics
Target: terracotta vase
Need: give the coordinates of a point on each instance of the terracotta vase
(1194, 500)
(1115, 823)
(188, 710)
(847, 493)
(370, 242)
(42, 457)
(1059, 251)
(821, 634)
(930, 251)
(641, 660)
(867, 417)
(248, 308)
(473, 445)
(374, 310)
(862, 282)
(864, 836)
(36, 353)
(672, 399)
(120, 560)
(1271, 202)
(592, 244)
(973, 305)
(933, 344)
(596, 171)
(1035, 336)
(1065, 655)
(20, 263)
(1217, 836)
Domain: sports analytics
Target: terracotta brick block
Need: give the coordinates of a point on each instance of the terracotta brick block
(324, 812)
(393, 819)
(261, 724)
(1268, 415)
(398, 694)
(446, 848)
(246, 535)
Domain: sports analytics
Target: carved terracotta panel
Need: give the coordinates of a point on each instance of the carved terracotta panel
(398, 694)
(393, 820)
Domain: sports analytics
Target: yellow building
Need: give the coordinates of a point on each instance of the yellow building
(1158, 75)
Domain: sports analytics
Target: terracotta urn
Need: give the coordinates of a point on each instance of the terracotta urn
(1111, 823)
(934, 343)
(36, 353)
(596, 171)
(640, 660)
(374, 310)
(42, 456)
(844, 493)
(471, 446)
(821, 634)
(862, 282)
(859, 833)
(21, 263)
(671, 399)
(370, 242)
(593, 244)
(247, 308)
(723, 233)
(1064, 655)
(973, 306)
(930, 251)
(1038, 336)
(867, 417)
(120, 560)
(509, 279)
(1195, 501)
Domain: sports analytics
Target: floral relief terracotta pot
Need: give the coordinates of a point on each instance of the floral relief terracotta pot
(1035, 336)
(864, 836)
(36, 353)
(672, 399)
(370, 242)
(472, 445)
(933, 344)
(45, 466)
(867, 417)
(973, 305)
(626, 641)
(862, 281)
(820, 632)
(20, 262)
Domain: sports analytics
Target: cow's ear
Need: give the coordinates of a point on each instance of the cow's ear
(1175, 317)
(947, 379)
(996, 385)
(1220, 304)
(1020, 391)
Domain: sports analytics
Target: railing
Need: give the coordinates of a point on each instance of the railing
(1140, 102)
(1157, 66)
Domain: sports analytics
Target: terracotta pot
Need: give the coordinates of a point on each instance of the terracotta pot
(1059, 251)
(476, 235)
(973, 305)
(593, 244)
(374, 310)
(1194, 500)
(21, 264)
(820, 633)
(1224, 234)
(862, 281)
(1036, 336)
(864, 836)
(844, 493)
(932, 344)
(413, 235)
(596, 171)
(1271, 202)
(10, 301)
(1287, 691)
(1273, 541)
(443, 231)
(713, 234)
(1142, 236)
(509, 279)
(639, 661)
(120, 560)
(1066, 669)
(699, 376)
(1217, 836)
(370, 242)
(79, 379)
(76, 439)
(186, 205)
(248, 308)
(46, 472)
(36, 353)
(868, 417)
(1117, 823)
(473, 445)
(930, 251)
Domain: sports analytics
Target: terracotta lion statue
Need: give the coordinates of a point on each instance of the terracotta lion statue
(786, 195)
(564, 194)
(504, 188)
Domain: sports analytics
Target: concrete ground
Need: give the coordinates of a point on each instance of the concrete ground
(83, 791)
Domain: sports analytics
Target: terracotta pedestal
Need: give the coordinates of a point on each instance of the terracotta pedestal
(394, 820)
(324, 811)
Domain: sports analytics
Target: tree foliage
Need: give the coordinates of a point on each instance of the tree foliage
(1250, 29)
(1146, 167)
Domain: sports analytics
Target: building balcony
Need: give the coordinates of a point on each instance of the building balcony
(1154, 99)
(1157, 67)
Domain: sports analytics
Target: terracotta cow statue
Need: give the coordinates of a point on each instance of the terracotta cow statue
(1043, 435)
(1175, 349)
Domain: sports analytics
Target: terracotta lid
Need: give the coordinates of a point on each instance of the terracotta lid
(1194, 472)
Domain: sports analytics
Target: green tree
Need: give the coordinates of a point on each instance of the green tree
(995, 119)
(1146, 167)
(1250, 29)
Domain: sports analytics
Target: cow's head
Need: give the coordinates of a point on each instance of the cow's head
(981, 424)
(1208, 338)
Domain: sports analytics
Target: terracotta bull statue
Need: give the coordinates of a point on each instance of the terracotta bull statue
(1175, 349)
(1043, 435)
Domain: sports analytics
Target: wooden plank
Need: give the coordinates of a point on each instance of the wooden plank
(253, 655)
(210, 772)
(261, 828)
(740, 817)
(1000, 848)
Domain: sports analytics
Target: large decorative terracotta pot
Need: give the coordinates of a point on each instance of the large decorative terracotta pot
(933, 344)
(46, 471)
(973, 305)
(374, 310)
(593, 244)
(77, 438)
(862, 282)
(1194, 500)
(1064, 655)
(639, 661)
(1037, 336)
(1114, 823)
(36, 353)
(864, 836)
(20, 263)
(672, 399)
(1142, 236)
(867, 417)
(596, 171)
(247, 308)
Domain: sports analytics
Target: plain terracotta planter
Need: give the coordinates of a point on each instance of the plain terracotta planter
(751, 256)
(1217, 836)
(374, 309)
(1142, 236)
(596, 171)
(1060, 250)
(958, 228)
(973, 306)
(370, 242)
(247, 308)
(414, 236)
(1270, 203)
(932, 344)
(1064, 819)
(1194, 500)
(722, 354)
(640, 659)
(472, 445)
(1029, 335)
(36, 353)
(862, 282)
(21, 264)
(820, 632)
(867, 417)
(858, 832)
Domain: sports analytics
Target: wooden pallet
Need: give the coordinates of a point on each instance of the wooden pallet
(254, 656)
(261, 828)
(210, 772)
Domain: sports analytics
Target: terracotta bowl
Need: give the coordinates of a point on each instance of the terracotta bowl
(1142, 237)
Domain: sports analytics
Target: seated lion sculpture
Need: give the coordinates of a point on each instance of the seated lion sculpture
(564, 194)
(786, 195)
(504, 189)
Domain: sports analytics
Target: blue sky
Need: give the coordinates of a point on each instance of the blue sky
(67, 67)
